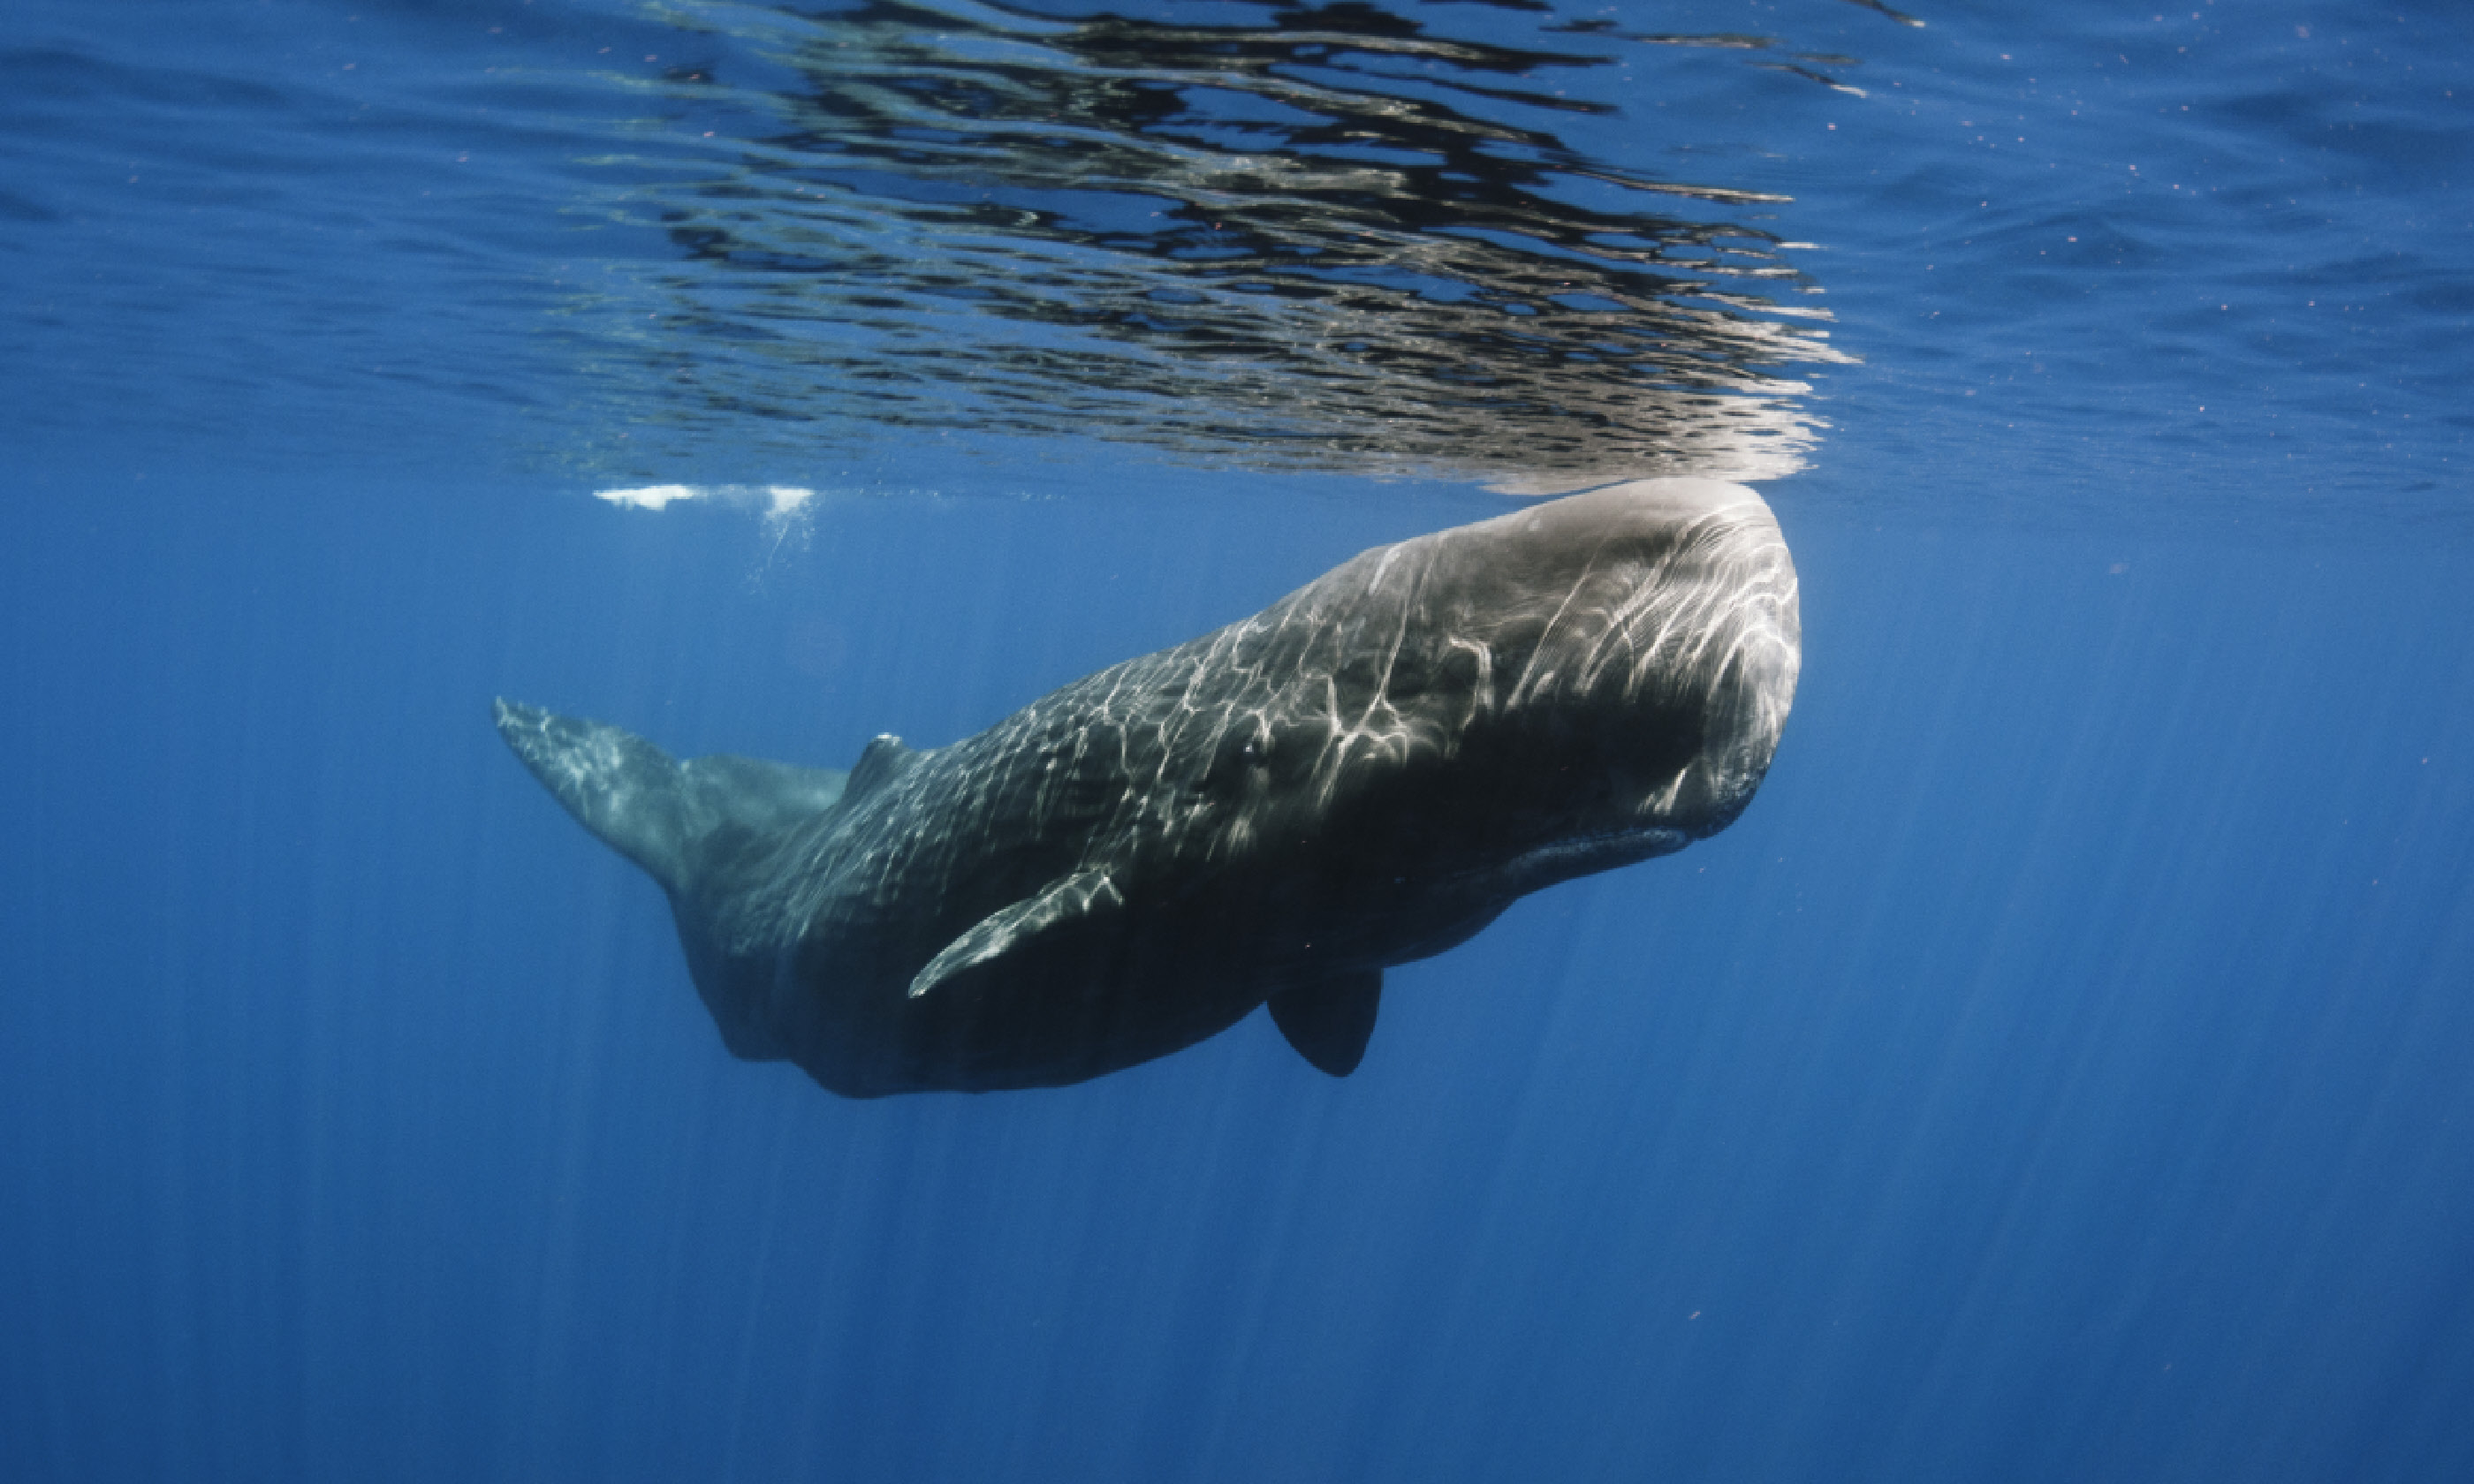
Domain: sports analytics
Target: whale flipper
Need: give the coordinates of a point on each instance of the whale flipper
(646, 804)
(1067, 900)
(1329, 1021)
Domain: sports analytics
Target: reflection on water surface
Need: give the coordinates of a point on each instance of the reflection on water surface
(1331, 238)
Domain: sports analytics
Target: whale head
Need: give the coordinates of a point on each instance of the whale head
(1571, 686)
(1648, 631)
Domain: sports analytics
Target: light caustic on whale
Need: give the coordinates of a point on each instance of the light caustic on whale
(1363, 774)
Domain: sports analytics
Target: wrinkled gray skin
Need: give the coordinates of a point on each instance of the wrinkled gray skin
(1366, 773)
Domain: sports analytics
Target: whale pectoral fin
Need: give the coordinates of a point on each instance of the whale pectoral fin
(1065, 901)
(1329, 1021)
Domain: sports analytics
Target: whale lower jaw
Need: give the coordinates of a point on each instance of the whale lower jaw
(1562, 861)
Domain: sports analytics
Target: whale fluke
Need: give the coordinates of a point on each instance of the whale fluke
(652, 808)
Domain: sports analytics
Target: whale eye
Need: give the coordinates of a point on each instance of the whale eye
(1237, 760)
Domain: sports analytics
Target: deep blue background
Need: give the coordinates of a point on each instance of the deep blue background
(2059, 1073)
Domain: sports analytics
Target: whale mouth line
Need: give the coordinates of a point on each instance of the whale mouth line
(1587, 855)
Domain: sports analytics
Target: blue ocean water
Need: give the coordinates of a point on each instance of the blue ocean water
(2060, 1072)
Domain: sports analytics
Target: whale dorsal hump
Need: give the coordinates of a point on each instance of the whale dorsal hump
(1329, 1019)
(885, 761)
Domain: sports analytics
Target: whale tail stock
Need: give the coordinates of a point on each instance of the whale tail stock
(653, 808)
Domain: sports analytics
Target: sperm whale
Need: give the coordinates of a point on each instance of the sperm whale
(1363, 774)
